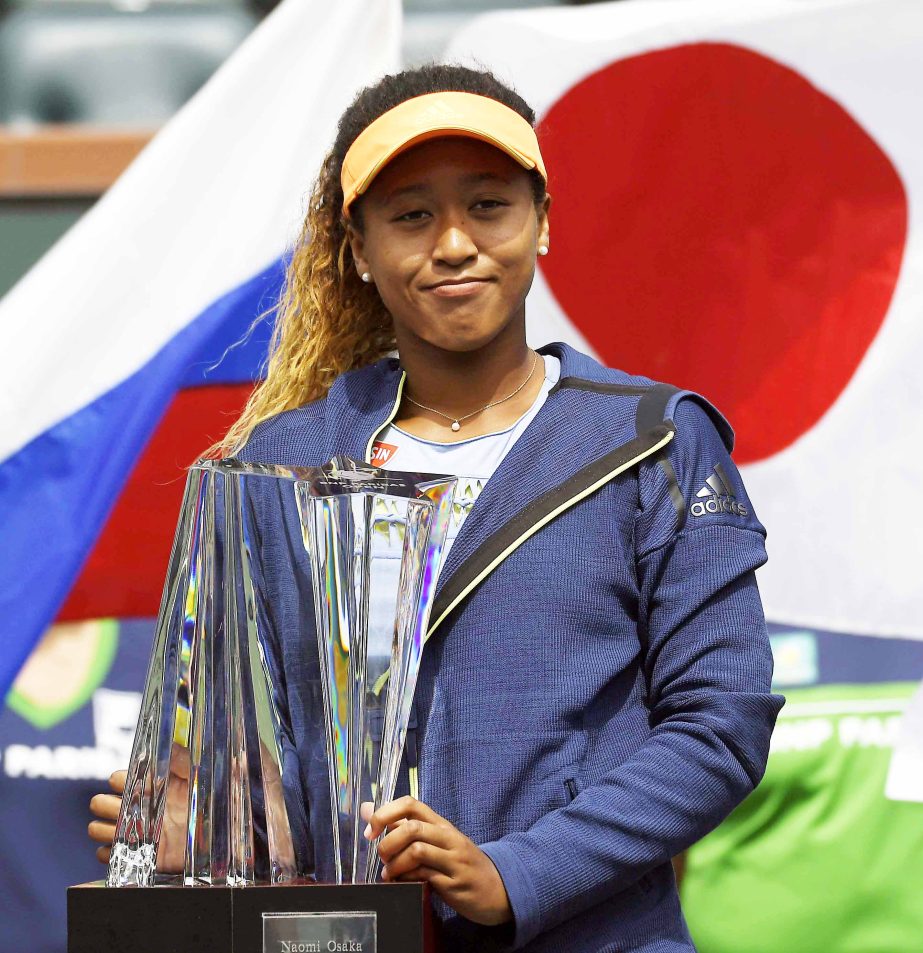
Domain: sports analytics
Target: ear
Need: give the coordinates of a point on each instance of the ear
(357, 246)
(544, 237)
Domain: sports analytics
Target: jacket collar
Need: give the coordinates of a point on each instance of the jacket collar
(579, 438)
(362, 402)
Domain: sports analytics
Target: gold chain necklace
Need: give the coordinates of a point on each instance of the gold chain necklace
(456, 421)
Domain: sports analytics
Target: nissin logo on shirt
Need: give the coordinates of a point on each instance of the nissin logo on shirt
(382, 453)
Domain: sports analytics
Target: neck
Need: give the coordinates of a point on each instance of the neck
(460, 382)
(460, 385)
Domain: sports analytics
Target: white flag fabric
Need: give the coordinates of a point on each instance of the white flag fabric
(905, 770)
(733, 187)
(99, 334)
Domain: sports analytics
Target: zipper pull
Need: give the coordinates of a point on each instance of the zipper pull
(413, 774)
(412, 754)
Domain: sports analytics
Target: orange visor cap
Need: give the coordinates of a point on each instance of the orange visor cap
(429, 117)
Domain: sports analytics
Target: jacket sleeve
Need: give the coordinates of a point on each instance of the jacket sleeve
(707, 667)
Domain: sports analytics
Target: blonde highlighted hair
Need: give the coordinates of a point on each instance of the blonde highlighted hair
(327, 320)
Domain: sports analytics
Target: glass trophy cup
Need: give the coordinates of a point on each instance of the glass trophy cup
(342, 561)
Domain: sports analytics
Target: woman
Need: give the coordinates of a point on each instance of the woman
(594, 695)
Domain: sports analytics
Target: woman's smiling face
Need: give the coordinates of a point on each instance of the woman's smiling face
(450, 231)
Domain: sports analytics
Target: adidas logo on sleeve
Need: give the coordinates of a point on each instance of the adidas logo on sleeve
(717, 496)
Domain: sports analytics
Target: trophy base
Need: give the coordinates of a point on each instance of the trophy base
(360, 918)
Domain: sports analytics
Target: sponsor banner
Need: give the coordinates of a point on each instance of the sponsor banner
(820, 856)
(68, 723)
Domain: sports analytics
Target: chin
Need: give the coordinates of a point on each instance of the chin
(463, 343)
(463, 336)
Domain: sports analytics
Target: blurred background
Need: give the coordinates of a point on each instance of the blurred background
(733, 190)
(91, 81)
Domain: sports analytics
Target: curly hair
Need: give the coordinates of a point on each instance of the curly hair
(328, 321)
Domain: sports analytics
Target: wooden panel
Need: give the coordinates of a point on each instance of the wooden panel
(64, 160)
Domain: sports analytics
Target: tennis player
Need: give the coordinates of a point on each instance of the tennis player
(594, 693)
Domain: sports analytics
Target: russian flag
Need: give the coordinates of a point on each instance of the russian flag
(120, 364)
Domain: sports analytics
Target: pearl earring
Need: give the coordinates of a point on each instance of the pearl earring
(543, 249)
(366, 276)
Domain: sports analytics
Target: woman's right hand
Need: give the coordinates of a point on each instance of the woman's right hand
(106, 808)
(171, 851)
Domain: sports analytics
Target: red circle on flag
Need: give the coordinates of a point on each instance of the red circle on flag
(721, 224)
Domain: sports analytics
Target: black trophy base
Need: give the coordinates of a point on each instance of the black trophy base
(230, 919)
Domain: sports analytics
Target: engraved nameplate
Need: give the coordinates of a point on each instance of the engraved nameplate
(344, 932)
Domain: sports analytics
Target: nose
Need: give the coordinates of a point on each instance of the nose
(454, 246)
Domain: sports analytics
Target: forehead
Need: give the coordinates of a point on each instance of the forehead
(445, 161)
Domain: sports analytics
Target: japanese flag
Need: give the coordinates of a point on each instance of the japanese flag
(732, 212)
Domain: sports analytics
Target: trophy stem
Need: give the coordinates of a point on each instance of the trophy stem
(197, 868)
(273, 858)
(332, 620)
(238, 844)
(360, 526)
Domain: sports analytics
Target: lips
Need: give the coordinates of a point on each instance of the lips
(458, 289)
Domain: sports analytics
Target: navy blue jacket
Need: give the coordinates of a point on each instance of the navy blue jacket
(594, 693)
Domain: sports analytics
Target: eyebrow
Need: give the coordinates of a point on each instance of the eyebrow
(472, 178)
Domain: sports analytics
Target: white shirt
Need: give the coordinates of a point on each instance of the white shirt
(472, 461)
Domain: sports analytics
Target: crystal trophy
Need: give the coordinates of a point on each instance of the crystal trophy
(375, 540)
(205, 800)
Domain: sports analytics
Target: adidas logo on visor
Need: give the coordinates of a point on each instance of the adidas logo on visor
(717, 496)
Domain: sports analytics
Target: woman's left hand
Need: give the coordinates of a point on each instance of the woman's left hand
(421, 845)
